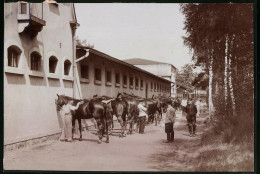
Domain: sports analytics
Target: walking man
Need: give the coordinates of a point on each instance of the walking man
(169, 121)
(191, 111)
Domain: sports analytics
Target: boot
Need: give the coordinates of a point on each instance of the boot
(190, 129)
(194, 129)
(168, 137)
(172, 136)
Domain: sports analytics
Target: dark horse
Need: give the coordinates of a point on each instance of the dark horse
(89, 109)
(132, 109)
(117, 107)
(153, 108)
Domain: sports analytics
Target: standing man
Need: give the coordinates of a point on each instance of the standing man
(142, 116)
(169, 121)
(191, 111)
(66, 132)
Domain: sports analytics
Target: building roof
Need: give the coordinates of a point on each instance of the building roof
(138, 61)
(103, 55)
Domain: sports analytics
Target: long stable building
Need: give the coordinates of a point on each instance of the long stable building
(103, 74)
(41, 60)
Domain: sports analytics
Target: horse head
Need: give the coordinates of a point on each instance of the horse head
(60, 102)
(119, 94)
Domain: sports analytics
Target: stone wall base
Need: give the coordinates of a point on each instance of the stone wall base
(31, 142)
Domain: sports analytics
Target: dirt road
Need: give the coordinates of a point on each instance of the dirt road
(136, 152)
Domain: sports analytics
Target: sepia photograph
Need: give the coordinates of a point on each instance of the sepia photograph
(157, 87)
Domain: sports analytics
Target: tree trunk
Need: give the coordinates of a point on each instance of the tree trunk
(225, 73)
(211, 107)
(230, 81)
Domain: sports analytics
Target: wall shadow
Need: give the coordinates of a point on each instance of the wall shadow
(15, 79)
(37, 81)
(68, 84)
(54, 82)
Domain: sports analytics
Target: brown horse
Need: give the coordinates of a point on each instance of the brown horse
(117, 107)
(89, 109)
(153, 107)
(132, 109)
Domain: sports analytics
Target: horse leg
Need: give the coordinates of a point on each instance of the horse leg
(73, 126)
(107, 136)
(100, 130)
(80, 133)
(94, 122)
(120, 120)
(156, 117)
(112, 121)
(130, 124)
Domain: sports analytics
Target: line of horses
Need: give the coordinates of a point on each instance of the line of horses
(124, 107)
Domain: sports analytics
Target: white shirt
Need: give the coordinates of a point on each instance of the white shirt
(66, 109)
(184, 102)
(142, 110)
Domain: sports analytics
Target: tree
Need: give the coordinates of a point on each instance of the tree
(221, 38)
(84, 42)
(185, 77)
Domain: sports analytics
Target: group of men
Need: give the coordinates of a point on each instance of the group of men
(191, 110)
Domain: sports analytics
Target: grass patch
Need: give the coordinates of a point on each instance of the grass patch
(218, 155)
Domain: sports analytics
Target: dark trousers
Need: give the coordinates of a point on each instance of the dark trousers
(169, 131)
(141, 124)
(170, 136)
(192, 124)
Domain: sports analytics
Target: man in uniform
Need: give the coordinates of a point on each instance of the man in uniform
(191, 111)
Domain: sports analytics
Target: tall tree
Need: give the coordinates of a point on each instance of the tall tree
(221, 37)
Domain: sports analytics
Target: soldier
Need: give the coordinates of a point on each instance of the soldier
(191, 111)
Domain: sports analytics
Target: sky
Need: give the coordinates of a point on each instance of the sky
(129, 30)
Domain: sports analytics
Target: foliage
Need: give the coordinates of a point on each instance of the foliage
(84, 42)
(220, 32)
(201, 81)
(185, 76)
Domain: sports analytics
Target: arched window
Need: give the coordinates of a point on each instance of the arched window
(13, 56)
(67, 66)
(35, 61)
(52, 64)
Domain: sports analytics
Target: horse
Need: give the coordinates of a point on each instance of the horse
(152, 110)
(117, 107)
(132, 109)
(153, 107)
(89, 109)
